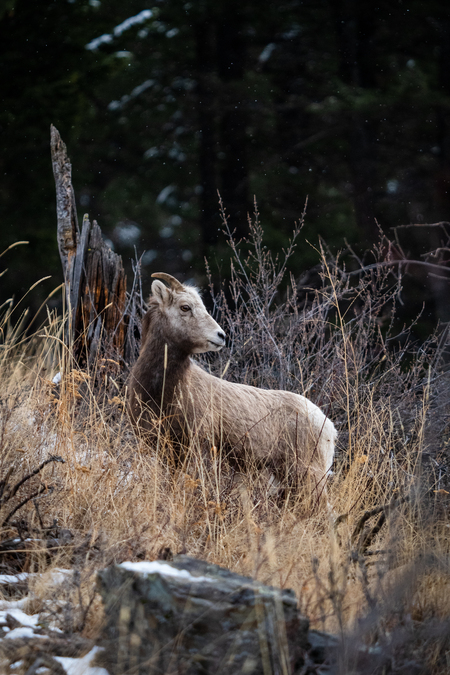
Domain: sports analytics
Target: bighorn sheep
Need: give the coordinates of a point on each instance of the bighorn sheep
(279, 430)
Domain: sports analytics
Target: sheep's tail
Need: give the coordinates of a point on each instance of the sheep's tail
(328, 442)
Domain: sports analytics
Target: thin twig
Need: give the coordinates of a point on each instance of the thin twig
(52, 458)
(42, 489)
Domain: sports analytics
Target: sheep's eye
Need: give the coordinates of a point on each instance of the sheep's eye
(185, 308)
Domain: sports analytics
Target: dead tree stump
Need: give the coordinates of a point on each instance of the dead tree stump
(102, 318)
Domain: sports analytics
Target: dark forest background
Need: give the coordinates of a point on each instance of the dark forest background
(162, 104)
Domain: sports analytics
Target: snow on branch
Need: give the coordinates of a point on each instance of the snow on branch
(121, 28)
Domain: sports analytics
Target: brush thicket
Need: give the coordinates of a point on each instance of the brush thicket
(376, 565)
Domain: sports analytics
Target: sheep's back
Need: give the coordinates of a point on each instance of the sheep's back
(271, 424)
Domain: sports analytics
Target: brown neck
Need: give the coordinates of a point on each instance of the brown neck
(155, 376)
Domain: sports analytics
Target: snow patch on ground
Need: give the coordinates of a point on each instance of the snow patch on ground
(13, 578)
(82, 665)
(13, 604)
(20, 616)
(23, 632)
(72, 666)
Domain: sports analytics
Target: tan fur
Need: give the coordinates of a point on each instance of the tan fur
(278, 430)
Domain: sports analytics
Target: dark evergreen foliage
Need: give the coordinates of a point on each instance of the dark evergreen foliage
(344, 101)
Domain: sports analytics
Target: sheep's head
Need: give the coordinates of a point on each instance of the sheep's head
(186, 320)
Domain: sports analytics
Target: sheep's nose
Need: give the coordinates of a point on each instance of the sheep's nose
(221, 335)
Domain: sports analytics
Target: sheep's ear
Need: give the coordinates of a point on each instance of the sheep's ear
(161, 293)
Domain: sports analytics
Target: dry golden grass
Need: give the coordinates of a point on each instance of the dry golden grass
(119, 492)
(118, 499)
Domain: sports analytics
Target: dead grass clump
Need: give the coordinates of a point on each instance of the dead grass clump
(375, 572)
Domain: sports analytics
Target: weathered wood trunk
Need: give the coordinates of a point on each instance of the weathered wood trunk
(102, 318)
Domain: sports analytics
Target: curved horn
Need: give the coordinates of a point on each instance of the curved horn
(174, 284)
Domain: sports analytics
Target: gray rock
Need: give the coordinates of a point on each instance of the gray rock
(190, 617)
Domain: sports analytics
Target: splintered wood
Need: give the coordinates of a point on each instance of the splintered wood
(100, 319)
